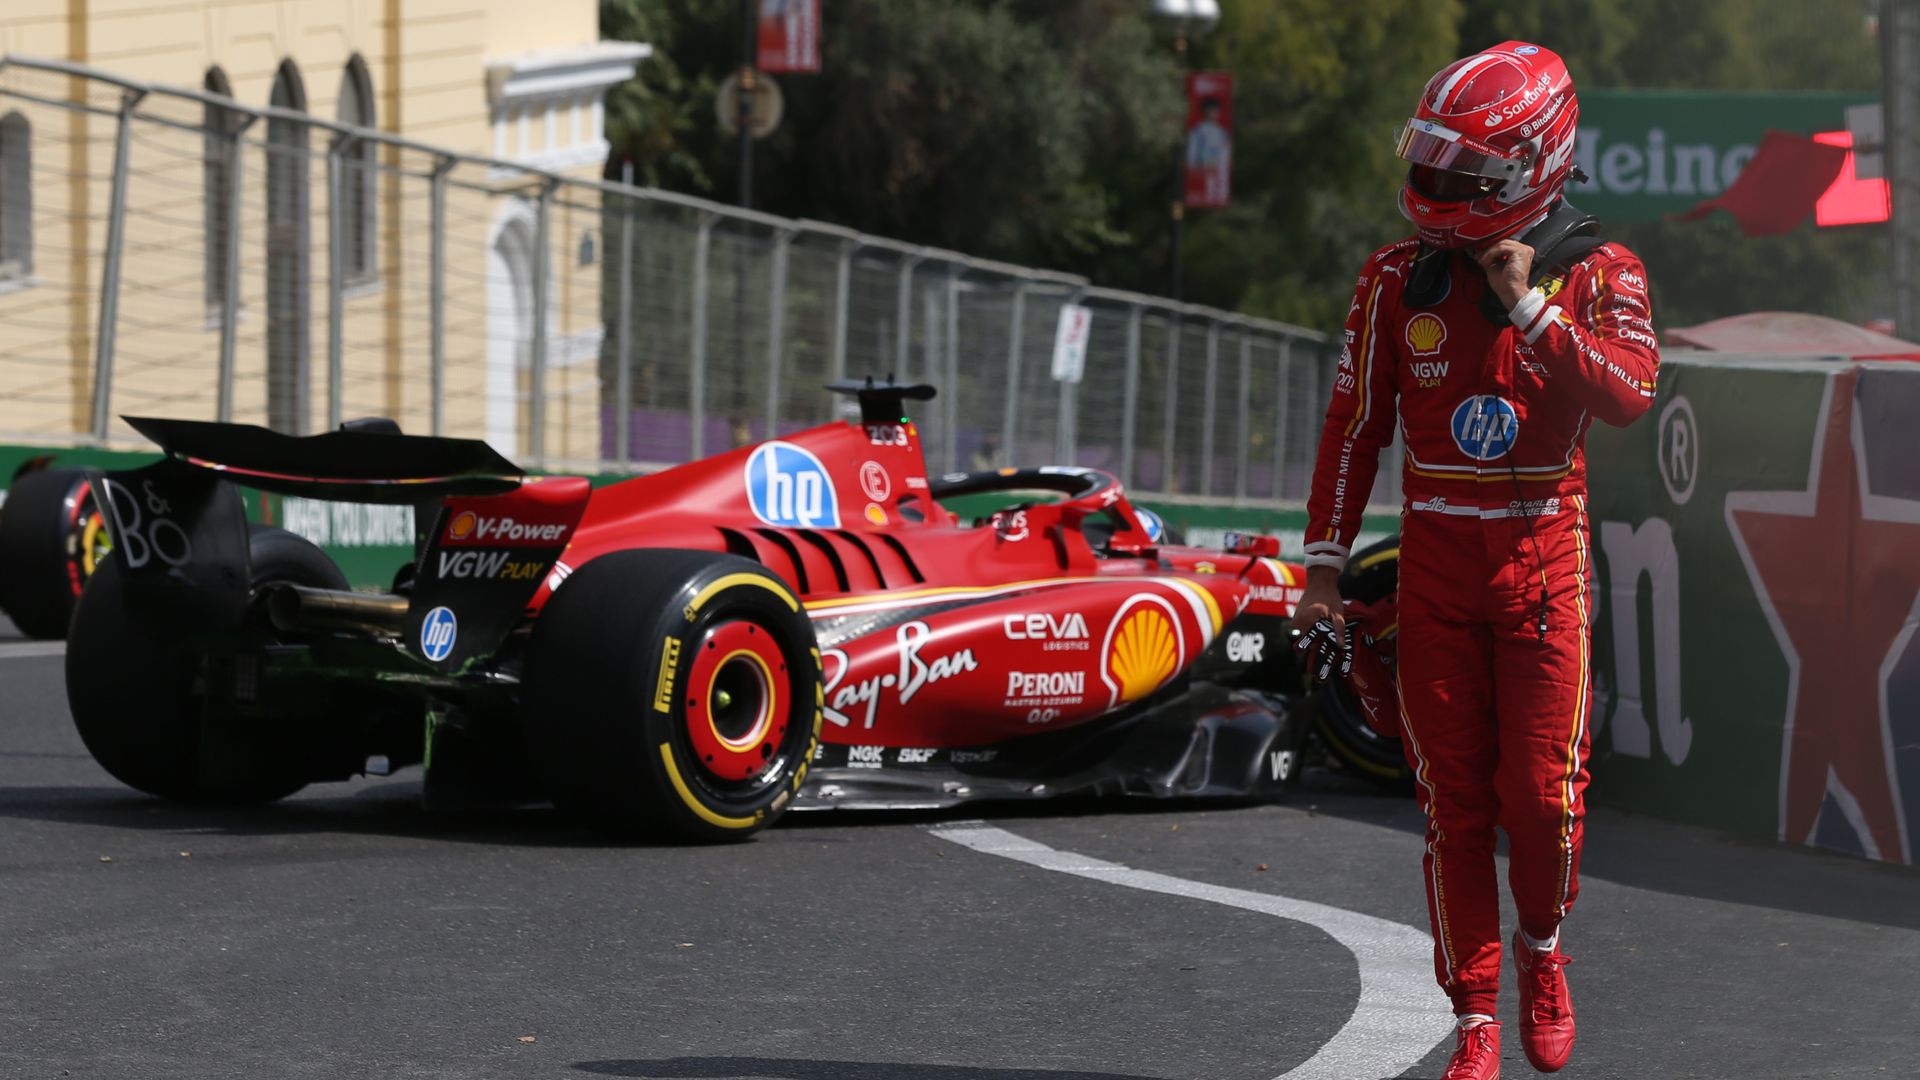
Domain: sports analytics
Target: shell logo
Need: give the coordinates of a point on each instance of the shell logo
(462, 525)
(1426, 333)
(1144, 653)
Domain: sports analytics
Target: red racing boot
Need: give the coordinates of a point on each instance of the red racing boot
(1546, 1012)
(1476, 1053)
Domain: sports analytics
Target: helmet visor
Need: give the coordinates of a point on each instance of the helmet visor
(1435, 146)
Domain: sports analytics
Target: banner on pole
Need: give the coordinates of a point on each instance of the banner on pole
(1209, 139)
(789, 40)
(1070, 342)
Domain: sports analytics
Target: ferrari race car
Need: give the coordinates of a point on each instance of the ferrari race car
(799, 623)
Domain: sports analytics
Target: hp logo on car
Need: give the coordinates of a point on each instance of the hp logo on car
(1485, 427)
(437, 632)
(788, 486)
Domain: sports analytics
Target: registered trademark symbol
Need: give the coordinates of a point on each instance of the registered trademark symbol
(1679, 449)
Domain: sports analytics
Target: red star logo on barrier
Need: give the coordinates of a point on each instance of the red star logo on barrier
(1844, 614)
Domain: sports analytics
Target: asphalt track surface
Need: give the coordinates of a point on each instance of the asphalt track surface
(345, 933)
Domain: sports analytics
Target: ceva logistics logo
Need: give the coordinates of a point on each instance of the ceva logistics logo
(437, 632)
(788, 486)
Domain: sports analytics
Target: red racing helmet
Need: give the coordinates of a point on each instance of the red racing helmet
(1491, 145)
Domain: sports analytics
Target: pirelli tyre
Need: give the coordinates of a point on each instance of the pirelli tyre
(132, 691)
(1372, 574)
(51, 539)
(673, 694)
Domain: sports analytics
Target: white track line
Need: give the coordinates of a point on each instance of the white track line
(1401, 1015)
(27, 649)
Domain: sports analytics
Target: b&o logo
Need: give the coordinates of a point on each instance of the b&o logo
(788, 486)
(437, 633)
(1485, 427)
(1679, 449)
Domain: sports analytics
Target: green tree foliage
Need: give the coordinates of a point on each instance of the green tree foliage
(1321, 88)
(1044, 131)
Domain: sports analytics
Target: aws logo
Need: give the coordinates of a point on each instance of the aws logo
(1425, 334)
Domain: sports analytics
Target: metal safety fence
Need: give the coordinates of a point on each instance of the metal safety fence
(173, 251)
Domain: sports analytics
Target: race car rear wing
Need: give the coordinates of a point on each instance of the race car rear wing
(364, 461)
(490, 534)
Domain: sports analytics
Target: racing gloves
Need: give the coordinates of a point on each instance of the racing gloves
(1326, 650)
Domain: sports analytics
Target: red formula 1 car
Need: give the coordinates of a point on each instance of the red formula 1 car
(799, 623)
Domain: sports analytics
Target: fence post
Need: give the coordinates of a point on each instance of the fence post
(542, 289)
(1130, 395)
(623, 332)
(1283, 410)
(230, 285)
(933, 352)
(697, 362)
(951, 392)
(1066, 438)
(1240, 426)
(437, 292)
(1173, 403)
(110, 269)
(1209, 401)
(842, 300)
(1010, 401)
(777, 328)
(903, 314)
(336, 277)
(1313, 396)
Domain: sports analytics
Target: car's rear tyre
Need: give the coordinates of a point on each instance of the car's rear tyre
(1343, 728)
(1371, 575)
(131, 689)
(51, 540)
(673, 694)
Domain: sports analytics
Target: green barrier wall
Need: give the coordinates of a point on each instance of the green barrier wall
(1758, 553)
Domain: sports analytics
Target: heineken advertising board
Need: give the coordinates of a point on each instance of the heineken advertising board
(1650, 153)
(1756, 536)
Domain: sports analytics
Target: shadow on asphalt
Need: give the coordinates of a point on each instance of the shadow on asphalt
(730, 1068)
(394, 809)
(386, 810)
(1623, 848)
(1684, 860)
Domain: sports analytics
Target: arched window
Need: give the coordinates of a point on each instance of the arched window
(16, 198)
(289, 292)
(357, 195)
(218, 166)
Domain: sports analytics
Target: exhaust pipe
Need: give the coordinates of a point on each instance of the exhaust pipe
(297, 608)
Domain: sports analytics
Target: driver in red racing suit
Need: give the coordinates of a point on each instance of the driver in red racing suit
(1495, 565)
